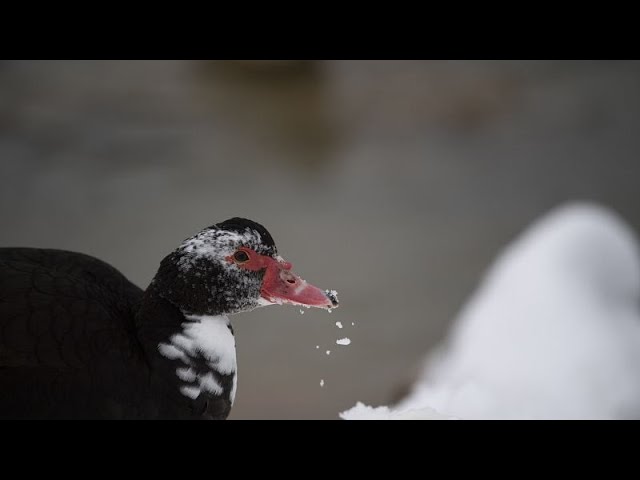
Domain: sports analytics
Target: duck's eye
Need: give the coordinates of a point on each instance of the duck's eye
(241, 256)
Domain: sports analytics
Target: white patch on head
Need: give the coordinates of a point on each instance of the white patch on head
(210, 337)
(215, 245)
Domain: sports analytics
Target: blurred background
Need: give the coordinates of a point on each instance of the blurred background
(394, 182)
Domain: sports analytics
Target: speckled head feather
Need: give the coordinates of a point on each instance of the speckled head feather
(242, 225)
(197, 278)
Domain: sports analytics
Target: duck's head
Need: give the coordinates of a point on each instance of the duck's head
(233, 267)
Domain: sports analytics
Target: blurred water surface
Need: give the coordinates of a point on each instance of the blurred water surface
(393, 182)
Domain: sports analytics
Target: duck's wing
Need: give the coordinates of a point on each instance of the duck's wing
(61, 308)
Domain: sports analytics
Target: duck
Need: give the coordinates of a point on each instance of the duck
(78, 340)
(551, 333)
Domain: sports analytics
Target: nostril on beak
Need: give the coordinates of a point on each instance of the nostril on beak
(288, 277)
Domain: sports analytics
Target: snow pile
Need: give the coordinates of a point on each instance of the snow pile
(552, 332)
(343, 341)
(364, 412)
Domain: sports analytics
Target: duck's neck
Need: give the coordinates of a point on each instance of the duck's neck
(195, 355)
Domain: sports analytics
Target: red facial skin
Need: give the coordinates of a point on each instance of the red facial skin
(279, 285)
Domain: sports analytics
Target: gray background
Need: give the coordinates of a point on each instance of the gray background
(393, 182)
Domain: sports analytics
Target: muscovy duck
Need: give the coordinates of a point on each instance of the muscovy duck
(79, 340)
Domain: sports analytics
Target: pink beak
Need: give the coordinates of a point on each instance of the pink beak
(281, 286)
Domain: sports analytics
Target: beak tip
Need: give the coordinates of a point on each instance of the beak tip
(332, 295)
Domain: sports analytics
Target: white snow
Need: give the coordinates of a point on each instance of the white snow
(552, 332)
(333, 295)
(339, 324)
(301, 312)
(364, 412)
(322, 383)
(328, 352)
(343, 341)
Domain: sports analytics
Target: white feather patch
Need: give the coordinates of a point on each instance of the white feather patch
(210, 337)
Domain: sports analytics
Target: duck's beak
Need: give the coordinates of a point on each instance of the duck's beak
(280, 285)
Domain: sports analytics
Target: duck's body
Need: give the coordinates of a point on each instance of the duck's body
(79, 340)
